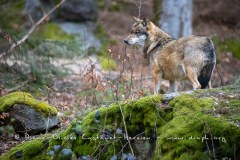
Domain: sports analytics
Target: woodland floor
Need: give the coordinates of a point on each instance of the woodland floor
(117, 26)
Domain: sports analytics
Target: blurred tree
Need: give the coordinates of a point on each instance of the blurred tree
(157, 5)
(176, 18)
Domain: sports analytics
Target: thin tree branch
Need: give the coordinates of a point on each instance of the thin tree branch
(19, 86)
(125, 127)
(21, 41)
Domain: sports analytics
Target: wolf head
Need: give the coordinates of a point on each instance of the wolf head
(144, 32)
(139, 32)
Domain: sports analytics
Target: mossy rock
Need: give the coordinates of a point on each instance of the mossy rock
(107, 63)
(35, 148)
(52, 31)
(11, 99)
(198, 131)
(81, 137)
(59, 49)
(189, 127)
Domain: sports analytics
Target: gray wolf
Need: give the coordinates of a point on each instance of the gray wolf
(191, 57)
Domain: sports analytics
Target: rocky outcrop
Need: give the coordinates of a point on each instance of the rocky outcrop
(78, 10)
(200, 125)
(33, 8)
(26, 114)
(84, 33)
(71, 10)
(28, 119)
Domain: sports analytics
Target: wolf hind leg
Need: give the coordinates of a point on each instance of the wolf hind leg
(210, 85)
(172, 86)
(192, 76)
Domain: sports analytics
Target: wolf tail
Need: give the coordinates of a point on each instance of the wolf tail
(210, 62)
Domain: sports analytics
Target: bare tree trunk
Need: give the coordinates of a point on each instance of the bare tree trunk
(177, 17)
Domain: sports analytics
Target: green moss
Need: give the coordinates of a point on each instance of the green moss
(235, 103)
(107, 63)
(25, 98)
(34, 149)
(140, 116)
(235, 109)
(100, 33)
(228, 44)
(52, 31)
(113, 6)
(191, 128)
(191, 131)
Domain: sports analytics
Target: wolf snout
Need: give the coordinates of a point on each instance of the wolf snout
(126, 41)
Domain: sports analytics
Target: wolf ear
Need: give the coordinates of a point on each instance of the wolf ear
(137, 19)
(145, 22)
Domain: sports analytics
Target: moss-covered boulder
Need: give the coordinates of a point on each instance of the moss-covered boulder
(28, 113)
(198, 131)
(200, 125)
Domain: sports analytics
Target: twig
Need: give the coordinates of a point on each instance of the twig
(7, 37)
(131, 140)
(104, 13)
(125, 127)
(139, 8)
(18, 43)
(95, 149)
(19, 86)
(131, 73)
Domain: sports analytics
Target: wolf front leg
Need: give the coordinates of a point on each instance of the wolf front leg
(157, 76)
